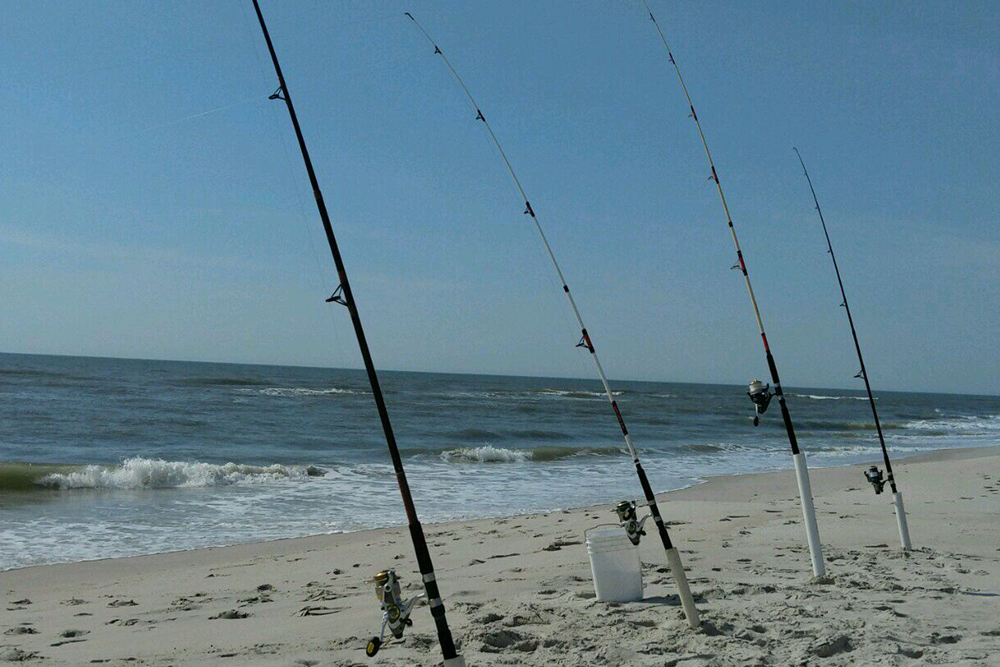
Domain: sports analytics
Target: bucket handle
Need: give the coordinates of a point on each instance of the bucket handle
(602, 525)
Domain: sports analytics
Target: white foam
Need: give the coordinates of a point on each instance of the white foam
(569, 393)
(142, 473)
(304, 391)
(816, 397)
(487, 454)
(986, 424)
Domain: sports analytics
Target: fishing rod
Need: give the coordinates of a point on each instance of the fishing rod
(396, 611)
(626, 510)
(873, 474)
(759, 393)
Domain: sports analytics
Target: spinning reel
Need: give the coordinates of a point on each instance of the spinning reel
(395, 612)
(760, 394)
(874, 477)
(630, 521)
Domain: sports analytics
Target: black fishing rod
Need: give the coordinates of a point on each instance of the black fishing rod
(759, 393)
(626, 510)
(873, 475)
(396, 611)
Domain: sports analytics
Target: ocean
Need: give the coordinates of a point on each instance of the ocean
(102, 458)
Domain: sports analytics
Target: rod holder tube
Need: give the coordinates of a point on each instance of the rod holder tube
(904, 531)
(809, 514)
(457, 661)
(683, 589)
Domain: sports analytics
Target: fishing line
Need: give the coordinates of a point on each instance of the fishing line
(873, 475)
(759, 393)
(396, 610)
(626, 510)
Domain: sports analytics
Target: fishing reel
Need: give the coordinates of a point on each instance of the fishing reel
(874, 477)
(630, 521)
(395, 612)
(760, 394)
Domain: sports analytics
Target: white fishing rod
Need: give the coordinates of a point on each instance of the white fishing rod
(873, 475)
(759, 393)
(626, 510)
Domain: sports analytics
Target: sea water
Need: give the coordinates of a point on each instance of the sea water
(111, 457)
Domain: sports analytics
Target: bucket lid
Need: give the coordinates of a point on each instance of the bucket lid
(604, 533)
(610, 536)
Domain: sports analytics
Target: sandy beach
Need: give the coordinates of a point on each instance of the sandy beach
(518, 590)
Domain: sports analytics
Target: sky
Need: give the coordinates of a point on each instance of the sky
(155, 205)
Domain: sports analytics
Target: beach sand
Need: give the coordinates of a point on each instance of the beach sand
(518, 590)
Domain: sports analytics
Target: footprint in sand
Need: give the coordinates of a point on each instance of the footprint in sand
(559, 544)
(123, 603)
(21, 630)
(317, 611)
(229, 615)
(14, 654)
(71, 637)
(255, 599)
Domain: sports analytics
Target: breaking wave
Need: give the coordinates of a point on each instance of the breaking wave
(967, 425)
(486, 454)
(143, 473)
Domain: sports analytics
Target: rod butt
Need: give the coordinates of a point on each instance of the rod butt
(683, 590)
(809, 514)
(904, 531)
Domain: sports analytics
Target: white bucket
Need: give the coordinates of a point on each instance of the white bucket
(614, 562)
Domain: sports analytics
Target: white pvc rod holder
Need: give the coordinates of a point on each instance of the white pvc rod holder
(809, 514)
(683, 590)
(904, 531)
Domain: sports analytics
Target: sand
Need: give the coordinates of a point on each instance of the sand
(518, 590)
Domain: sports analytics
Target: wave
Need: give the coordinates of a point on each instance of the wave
(28, 372)
(224, 382)
(293, 392)
(829, 425)
(864, 450)
(143, 473)
(491, 454)
(816, 397)
(486, 436)
(486, 454)
(473, 434)
(965, 424)
(539, 434)
(573, 393)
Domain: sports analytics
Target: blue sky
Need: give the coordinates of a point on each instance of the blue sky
(132, 226)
